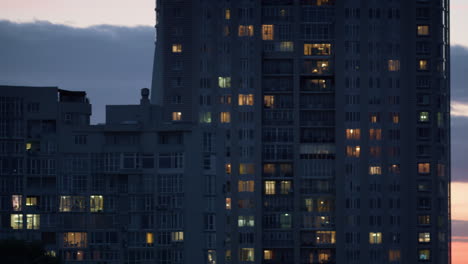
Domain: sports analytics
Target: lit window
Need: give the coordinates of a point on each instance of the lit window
(269, 101)
(228, 255)
(176, 48)
(325, 237)
(375, 134)
(246, 254)
(324, 205)
(269, 168)
(423, 116)
(177, 236)
(324, 256)
(285, 187)
(424, 219)
(286, 46)
(267, 254)
(225, 117)
(394, 168)
(16, 221)
(228, 203)
(72, 204)
(267, 32)
(16, 202)
(394, 65)
(246, 186)
(246, 221)
(32, 221)
(309, 204)
(395, 118)
(423, 65)
(246, 99)
(149, 238)
(224, 82)
(424, 168)
(375, 170)
(226, 31)
(316, 66)
(423, 30)
(211, 256)
(270, 187)
(227, 13)
(176, 116)
(375, 238)
(228, 168)
(246, 30)
(317, 49)
(353, 151)
(74, 240)
(394, 255)
(424, 254)
(205, 117)
(96, 203)
(28, 146)
(285, 220)
(424, 237)
(31, 201)
(246, 168)
(353, 134)
(374, 118)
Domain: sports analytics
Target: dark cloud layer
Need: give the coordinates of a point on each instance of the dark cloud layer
(110, 63)
(459, 70)
(460, 230)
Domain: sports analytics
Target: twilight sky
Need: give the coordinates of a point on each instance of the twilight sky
(105, 47)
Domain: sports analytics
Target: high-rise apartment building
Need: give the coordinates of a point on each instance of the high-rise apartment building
(331, 123)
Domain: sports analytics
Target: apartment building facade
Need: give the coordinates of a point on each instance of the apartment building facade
(332, 118)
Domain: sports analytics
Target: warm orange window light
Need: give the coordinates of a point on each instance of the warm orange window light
(227, 13)
(228, 203)
(375, 170)
(176, 48)
(269, 168)
(353, 151)
(423, 65)
(393, 65)
(353, 134)
(246, 99)
(228, 168)
(149, 238)
(267, 254)
(424, 168)
(176, 116)
(246, 30)
(268, 32)
(269, 101)
(321, 49)
(423, 30)
(395, 118)
(375, 134)
(246, 186)
(225, 117)
(394, 255)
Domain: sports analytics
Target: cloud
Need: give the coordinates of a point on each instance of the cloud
(459, 69)
(460, 231)
(459, 109)
(110, 63)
